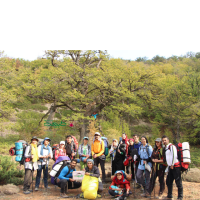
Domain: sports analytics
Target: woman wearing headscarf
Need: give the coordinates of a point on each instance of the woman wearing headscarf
(31, 158)
(129, 155)
(158, 166)
(61, 151)
(92, 170)
(117, 152)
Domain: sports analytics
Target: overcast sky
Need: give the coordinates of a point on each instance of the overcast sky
(125, 54)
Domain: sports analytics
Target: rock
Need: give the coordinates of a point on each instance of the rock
(192, 175)
(9, 189)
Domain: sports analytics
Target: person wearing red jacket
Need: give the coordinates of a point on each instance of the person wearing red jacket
(119, 187)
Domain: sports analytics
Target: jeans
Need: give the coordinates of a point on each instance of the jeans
(45, 175)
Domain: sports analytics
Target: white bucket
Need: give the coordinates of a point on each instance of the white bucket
(186, 152)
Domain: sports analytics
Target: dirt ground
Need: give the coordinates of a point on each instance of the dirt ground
(190, 191)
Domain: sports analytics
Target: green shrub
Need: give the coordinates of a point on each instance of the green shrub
(9, 172)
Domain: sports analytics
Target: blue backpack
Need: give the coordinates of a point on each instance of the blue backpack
(20, 147)
(105, 145)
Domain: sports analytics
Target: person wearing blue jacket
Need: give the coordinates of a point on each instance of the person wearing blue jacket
(65, 178)
(145, 165)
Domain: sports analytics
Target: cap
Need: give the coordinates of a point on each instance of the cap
(34, 138)
(46, 138)
(158, 140)
(118, 172)
(97, 133)
(86, 138)
(62, 142)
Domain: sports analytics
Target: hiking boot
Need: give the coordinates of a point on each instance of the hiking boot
(63, 195)
(36, 189)
(27, 192)
(30, 190)
(47, 187)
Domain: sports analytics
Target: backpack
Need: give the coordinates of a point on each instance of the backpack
(106, 149)
(57, 167)
(54, 148)
(20, 147)
(183, 159)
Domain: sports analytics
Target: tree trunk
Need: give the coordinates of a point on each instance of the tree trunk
(51, 114)
(83, 129)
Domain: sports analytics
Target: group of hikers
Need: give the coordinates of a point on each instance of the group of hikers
(132, 160)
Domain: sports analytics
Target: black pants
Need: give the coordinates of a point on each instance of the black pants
(174, 174)
(63, 185)
(114, 194)
(27, 179)
(102, 164)
(130, 166)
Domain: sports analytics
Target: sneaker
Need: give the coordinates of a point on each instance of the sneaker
(47, 187)
(36, 189)
(27, 192)
(30, 190)
(63, 195)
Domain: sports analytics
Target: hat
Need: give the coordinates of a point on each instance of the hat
(86, 138)
(158, 140)
(97, 133)
(118, 172)
(46, 138)
(131, 139)
(62, 142)
(34, 138)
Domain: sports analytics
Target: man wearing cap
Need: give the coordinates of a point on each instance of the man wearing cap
(98, 153)
(84, 152)
(31, 158)
(44, 153)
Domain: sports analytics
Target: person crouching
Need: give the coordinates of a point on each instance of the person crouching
(119, 187)
(65, 180)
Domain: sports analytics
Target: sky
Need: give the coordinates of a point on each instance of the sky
(124, 54)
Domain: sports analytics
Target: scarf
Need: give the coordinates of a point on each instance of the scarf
(41, 152)
(122, 181)
(34, 152)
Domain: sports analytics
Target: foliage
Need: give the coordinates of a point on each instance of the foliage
(9, 172)
(195, 159)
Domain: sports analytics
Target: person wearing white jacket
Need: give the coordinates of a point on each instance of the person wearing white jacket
(44, 153)
(31, 158)
(174, 169)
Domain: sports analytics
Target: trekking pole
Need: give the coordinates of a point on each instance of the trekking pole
(134, 177)
(32, 178)
(145, 180)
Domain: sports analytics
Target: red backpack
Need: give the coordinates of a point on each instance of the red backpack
(184, 165)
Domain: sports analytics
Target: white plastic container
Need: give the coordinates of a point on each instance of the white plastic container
(186, 152)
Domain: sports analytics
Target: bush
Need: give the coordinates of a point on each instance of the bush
(9, 172)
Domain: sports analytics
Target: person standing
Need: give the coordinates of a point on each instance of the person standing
(136, 145)
(158, 166)
(61, 151)
(98, 153)
(31, 158)
(118, 160)
(174, 168)
(145, 152)
(70, 147)
(84, 152)
(44, 153)
(112, 152)
(129, 155)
